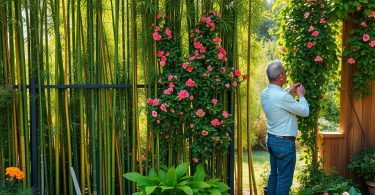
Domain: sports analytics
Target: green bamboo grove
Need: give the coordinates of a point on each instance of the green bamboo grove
(93, 64)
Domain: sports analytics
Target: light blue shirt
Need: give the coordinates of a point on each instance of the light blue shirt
(281, 110)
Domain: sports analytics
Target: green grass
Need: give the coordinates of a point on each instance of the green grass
(261, 167)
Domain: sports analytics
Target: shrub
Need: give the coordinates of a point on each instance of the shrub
(363, 164)
(175, 181)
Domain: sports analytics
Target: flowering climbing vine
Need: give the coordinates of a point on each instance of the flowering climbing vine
(360, 47)
(192, 90)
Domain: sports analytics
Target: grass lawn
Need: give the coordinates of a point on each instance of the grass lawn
(261, 165)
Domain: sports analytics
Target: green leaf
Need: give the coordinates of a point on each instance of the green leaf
(215, 192)
(137, 193)
(171, 177)
(186, 189)
(162, 175)
(134, 176)
(152, 173)
(199, 174)
(181, 169)
(150, 189)
(163, 188)
(199, 184)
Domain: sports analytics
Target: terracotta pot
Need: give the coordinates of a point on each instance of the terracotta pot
(371, 187)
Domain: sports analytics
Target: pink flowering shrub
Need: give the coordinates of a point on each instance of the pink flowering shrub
(189, 105)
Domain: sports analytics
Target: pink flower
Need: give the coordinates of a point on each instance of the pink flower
(351, 61)
(363, 24)
(191, 58)
(184, 65)
(204, 133)
(208, 20)
(202, 50)
(191, 126)
(171, 84)
(216, 40)
(190, 83)
(214, 101)
(209, 68)
(168, 91)
(237, 73)
(191, 97)
(345, 193)
(306, 15)
(172, 110)
(158, 16)
(160, 53)
(215, 122)
(157, 28)
(372, 14)
(183, 94)
(156, 102)
(322, 21)
(315, 33)
(225, 114)
(162, 63)
(217, 79)
(181, 113)
(372, 43)
(205, 75)
(170, 77)
(311, 28)
(223, 69)
(163, 107)
(366, 37)
(227, 85)
(197, 45)
(156, 36)
(325, 193)
(189, 69)
(234, 83)
(200, 113)
(154, 113)
(318, 59)
(222, 50)
(231, 74)
(163, 58)
(149, 101)
(195, 160)
(167, 53)
(168, 33)
(158, 121)
(220, 56)
(197, 30)
(310, 44)
(212, 26)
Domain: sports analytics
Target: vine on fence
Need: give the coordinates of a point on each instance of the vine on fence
(360, 48)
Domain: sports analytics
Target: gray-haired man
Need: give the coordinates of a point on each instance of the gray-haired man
(281, 111)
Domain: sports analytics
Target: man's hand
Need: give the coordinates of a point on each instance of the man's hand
(301, 91)
(293, 89)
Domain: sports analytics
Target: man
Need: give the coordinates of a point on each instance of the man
(281, 111)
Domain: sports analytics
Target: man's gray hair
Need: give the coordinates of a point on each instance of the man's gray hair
(274, 69)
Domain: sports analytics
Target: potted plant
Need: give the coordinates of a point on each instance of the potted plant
(363, 164)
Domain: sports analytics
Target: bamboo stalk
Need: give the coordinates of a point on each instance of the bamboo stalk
(66, 95)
